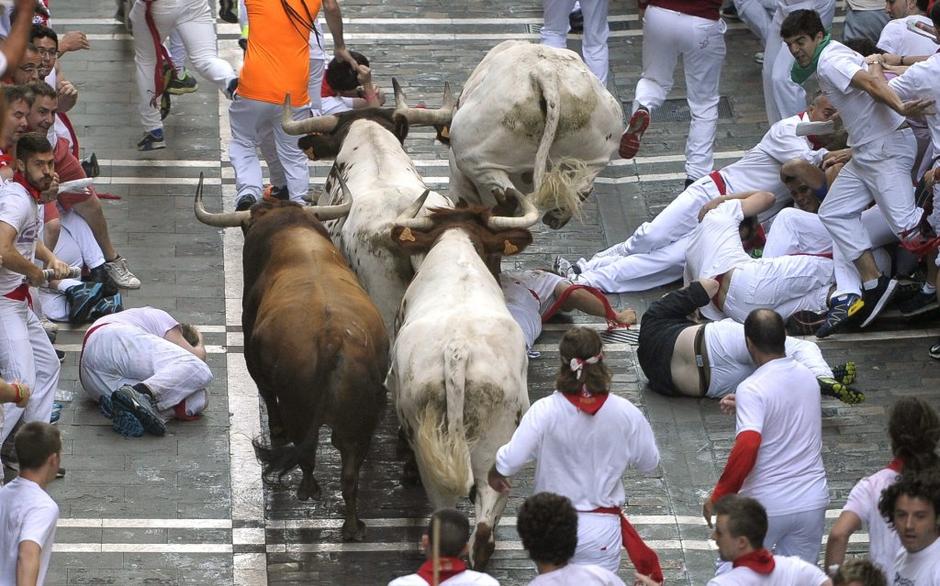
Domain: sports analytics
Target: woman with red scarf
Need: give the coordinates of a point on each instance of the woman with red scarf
(584, 438)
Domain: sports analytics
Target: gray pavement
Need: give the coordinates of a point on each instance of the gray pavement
(190, 508)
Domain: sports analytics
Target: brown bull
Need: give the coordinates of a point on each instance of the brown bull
(314, 343)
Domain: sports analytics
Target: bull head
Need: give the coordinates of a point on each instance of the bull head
(530, 215)
(424, 116)
(314, 124)
(233, 219)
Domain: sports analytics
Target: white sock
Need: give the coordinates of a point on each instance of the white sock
(870, 284)
(928, 289)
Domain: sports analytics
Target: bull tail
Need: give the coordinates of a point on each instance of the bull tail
(280, 460)
(441, 447)
(557, 184)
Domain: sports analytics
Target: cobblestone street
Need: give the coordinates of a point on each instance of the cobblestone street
(191, 507)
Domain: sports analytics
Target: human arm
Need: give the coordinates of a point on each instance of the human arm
(523, 446)
(13, 260)
(334, 20)
(15, 45)
(372, 96)
(60, 270)
(838, 541)
(27, 563)
(67, 95)
(873, 83)
(73, 41)
(752, 203)
(802, 170)
(808, 354)
(175, 335)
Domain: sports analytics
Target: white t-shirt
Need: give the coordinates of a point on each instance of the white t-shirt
(336, 105)
(149, 319)
(528, 295)
(883, 542)
(897, 39)
(781, 402)
(865, 119)
(581, 456)
(578, 575)
(759, 168)
(866, 4)
(465, 577)
(917, 569)
(3, 63)
(922, 80)
(19, 209)
(788, 571)
(27, 513)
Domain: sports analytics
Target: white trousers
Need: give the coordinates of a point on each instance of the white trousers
(117, 355)
(27, 356)
(757, 15)
(593, 44)
(599, 541)
(635, 272)
(701, 43)
(879, 170)
(782, 96)
(76, 246)
(258, 124)
(798, 534)
(196, 27)
(177, 51)
(678, 219)
(730, 363)
(786, 284)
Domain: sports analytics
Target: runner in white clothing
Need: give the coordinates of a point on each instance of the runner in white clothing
(583, 439)
(740, 534)
(548, 527)
(883, 151)
(897, 38)
(912, 507)
(454, 531)
(914, 428)
(777, 454)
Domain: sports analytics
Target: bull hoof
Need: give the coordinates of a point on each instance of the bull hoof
(484, 543)
(354, 532)
(309, 489)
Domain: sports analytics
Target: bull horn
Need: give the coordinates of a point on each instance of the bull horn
(424, 116)
(326, 213)
(530, 215)
(307, 126)
(223, 220)
(408, 217)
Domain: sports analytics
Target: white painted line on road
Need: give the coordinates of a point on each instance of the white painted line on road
(206, 329)
(86, 523)
(143, 548)
(161, 163)
(210, 349)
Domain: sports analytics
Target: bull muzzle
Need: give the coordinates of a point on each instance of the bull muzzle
(424, 116)
(320, 124)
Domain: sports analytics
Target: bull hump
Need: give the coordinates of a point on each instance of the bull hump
(528, 117)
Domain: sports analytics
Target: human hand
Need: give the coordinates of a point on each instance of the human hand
(915, 108)
(930, 178)
(60, 270)
(73, 41)
(712, 204)
(498, 482)
(641, 580)
(343, 54)
(53, 191)
(708, 508)
(627, 316)
(727, 404)
(67, 95)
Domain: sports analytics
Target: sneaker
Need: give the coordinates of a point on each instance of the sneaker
(120, 274)
(227, 11)
(561, 266)
(90, 166)
(245, 202)
(934, 350)
(80, 299)
(576, 22)
(124, 423)
(877, 299)
(60, 355)
(128, 400)
(107, 306)
(830, 387)
(630, 141)
(182, 85)
(232, 86)
(918, 303)
(841, 311)
(730, 12)
(100, 274)
(60, 473)
(688, 181)
(51, 328)
(104, 406)
(844, 373)
(243, 43)
(152, 141)
(759, 57)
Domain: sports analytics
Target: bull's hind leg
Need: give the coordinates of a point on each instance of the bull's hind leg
(352, 451)
(275, 423)
(309, 487)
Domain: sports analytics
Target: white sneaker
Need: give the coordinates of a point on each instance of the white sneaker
(120, 274)
(759, 57)
(51, 329)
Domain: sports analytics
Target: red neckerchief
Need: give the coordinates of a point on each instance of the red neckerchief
(6, 160)
(758, 240)
(897, 465)
(449, 567)
(32, 191)
(326, 91)
(761, 561)
(585, 401)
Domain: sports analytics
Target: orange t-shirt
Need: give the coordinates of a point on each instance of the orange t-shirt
(278, 58)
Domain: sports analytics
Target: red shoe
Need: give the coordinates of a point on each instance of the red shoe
(630, 141)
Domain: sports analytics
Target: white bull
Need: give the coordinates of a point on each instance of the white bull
(535, 118)
(382, 182)
(458, 368)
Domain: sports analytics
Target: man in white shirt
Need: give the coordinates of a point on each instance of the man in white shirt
(28, 515)
(454, 533)
(883, 151)
(20, 244)
(777, 453)
(548, 527)
(912, 507)
(740, 534)
(897, 38)
(584, 438)
(144, 368)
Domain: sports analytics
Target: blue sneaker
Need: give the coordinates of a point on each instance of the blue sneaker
(140, 406)
(127, 425)
(842, 310)
(104, 406)
(81, 300)
(152, 141)
(245, 202)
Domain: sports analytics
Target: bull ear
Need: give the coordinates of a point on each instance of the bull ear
(507, 242)
(412, 241)
(319, 147)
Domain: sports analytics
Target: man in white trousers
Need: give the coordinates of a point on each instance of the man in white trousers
(883, 151)
(758, 170)
(782, 96)
(277, 64)
(26, 355)
(193, 20)
(694, 31)
(594, 42)
(144, 368)
(777, 453)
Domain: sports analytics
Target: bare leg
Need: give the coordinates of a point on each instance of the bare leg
(591, 305)
(867, 269)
